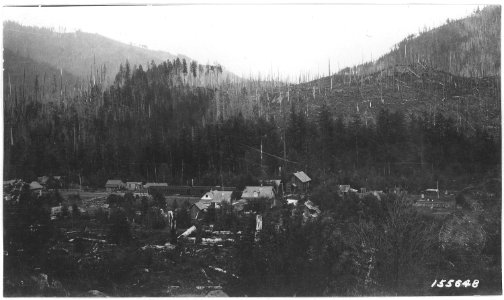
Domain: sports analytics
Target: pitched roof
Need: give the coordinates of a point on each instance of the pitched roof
(258, 192)
(35, 186)
(114, 182)
(201, 205)
(302, 176)
(218, 196)
(152, 184)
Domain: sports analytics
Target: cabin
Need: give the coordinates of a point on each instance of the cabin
(114, 185)
(36, 188)
(133, 186)
(199, 191)
(217, 197)
(264, 194)
(299, 182)
(430, 194)
(258, 192)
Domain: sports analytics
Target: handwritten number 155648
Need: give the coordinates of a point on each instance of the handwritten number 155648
(455, 283)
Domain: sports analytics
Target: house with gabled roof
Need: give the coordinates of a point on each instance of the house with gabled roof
(258, 192)
(133, 185)
(217, 197)
(114, 185)
(299, 182)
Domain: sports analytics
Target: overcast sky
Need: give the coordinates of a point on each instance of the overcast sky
(251, 39)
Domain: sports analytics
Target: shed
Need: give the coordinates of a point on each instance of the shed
(114, 184)
(299, 182)
(35, 186)
(133, 185)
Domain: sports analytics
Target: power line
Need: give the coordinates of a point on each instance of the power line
(272, 155)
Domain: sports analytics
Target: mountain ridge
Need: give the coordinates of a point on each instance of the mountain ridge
(468, 47)
(78, 52)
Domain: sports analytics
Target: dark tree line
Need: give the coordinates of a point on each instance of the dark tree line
(153, 125)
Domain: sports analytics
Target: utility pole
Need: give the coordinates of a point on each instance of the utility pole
(261, 158)
(437, 188)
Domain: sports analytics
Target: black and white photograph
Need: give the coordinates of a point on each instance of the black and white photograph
(251, 149)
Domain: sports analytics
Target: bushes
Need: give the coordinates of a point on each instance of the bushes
(120, 231)
(154, 219)
(115, 200)
(159, 199)
(326, 196)
(183, 217)
(343, 253)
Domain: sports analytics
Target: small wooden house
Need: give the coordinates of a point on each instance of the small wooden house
(133, 186)
(114, 185)
(258, 192)
(217, 197)
(36, 188)
(299, 182)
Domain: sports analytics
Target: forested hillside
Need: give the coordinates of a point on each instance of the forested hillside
(407, 122)
(25, 78)
(167, 123)
(468, 47)
(403, 157)
(76, 52)
(411, 89)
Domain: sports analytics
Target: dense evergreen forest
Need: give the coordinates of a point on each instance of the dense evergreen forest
(168, 123)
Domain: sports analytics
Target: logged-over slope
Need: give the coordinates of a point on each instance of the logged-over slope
(468, 47)
(76, 52)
